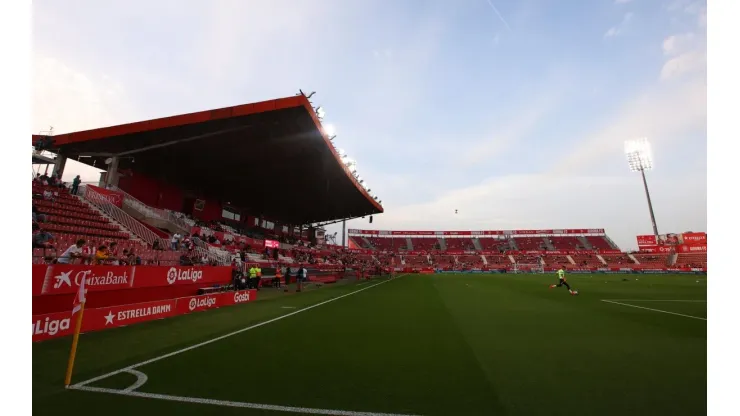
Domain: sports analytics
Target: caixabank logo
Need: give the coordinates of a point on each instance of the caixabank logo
(192, 275)
(108, 278)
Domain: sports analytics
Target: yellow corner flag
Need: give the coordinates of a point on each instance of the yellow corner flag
(79, 306)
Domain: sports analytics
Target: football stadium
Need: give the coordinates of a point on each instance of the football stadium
(167, 289)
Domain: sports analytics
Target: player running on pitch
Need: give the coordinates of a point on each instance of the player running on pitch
(563, 282)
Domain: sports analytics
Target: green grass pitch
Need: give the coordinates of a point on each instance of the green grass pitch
(449, 344)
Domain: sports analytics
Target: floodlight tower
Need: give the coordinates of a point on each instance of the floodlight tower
(640, 158)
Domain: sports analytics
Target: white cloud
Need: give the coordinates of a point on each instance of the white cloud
(677, 44)
(71, 100)
(684, 64)
(619, 29)
(661, 113)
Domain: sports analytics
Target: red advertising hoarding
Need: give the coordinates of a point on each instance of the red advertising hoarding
(646, 241)
(57, 279)
(694, 238)
(692, 248)
(479, 233)
(114, 197)
(60, 323)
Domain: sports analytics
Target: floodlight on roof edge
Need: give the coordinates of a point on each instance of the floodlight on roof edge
(640, 158)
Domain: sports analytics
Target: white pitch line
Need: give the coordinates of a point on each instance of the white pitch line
(657, 300)
(226, 403)
(230, 334)
(141, 379)
(654, 310)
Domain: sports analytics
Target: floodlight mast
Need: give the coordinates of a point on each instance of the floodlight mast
(640, 159)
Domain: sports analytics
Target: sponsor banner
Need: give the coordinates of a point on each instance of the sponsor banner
(198, 303)
(354, 231)
(52, 325)
(686, 248)
(272, 244)
(657, 249)
(60, 323)
(59, 279)
(646, 241)
(114, 197)
(668, 239)
(694, 239)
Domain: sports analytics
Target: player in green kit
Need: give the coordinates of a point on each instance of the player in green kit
(563, 282)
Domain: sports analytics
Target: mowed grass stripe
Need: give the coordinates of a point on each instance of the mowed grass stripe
(393, 349)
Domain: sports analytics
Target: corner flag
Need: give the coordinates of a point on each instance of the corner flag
(78, 306)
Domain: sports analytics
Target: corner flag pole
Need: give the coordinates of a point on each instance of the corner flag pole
(78, 306)
(73, 351)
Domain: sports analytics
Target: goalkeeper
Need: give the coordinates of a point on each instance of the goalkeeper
(562, 281)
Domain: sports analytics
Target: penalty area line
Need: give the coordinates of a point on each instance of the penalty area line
(222, 337)
(654, 310)
(227, 403)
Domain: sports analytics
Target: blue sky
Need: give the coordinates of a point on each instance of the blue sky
(516, 118)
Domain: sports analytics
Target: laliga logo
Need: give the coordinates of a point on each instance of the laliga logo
(190, 274)
(50, 327)
(172, 276)
(241, 297)
(206, 302)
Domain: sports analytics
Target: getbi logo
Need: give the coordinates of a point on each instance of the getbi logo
(193, 275)
(49, 326)
(204, 302)
(241, 297)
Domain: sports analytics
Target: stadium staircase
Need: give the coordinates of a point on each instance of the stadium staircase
(102, 204)
(155, 217)
(570, 259)
(611, 242)
(634, 259)
(513, 246)
(601, 259)
(585, 243)
(409, 244)
(367, 243)
(478, 246)
(485, 260)
(511, 258)
(549, 244)
(672, 259)
(442, 243)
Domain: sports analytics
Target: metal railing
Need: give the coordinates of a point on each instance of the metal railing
(153, 212)
(214, 254)
(130, 223)
(175, 219)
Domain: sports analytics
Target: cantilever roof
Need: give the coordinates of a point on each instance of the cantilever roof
(269, 158)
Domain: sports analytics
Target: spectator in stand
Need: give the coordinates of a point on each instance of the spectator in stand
(43, 239)
(175, 241)
(185, 260)
(76, 185)
(72, 253)
(113, 254)
(48, 195)
(37, 216)
(101, 256)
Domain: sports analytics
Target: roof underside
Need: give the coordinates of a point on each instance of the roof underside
(269, 159)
